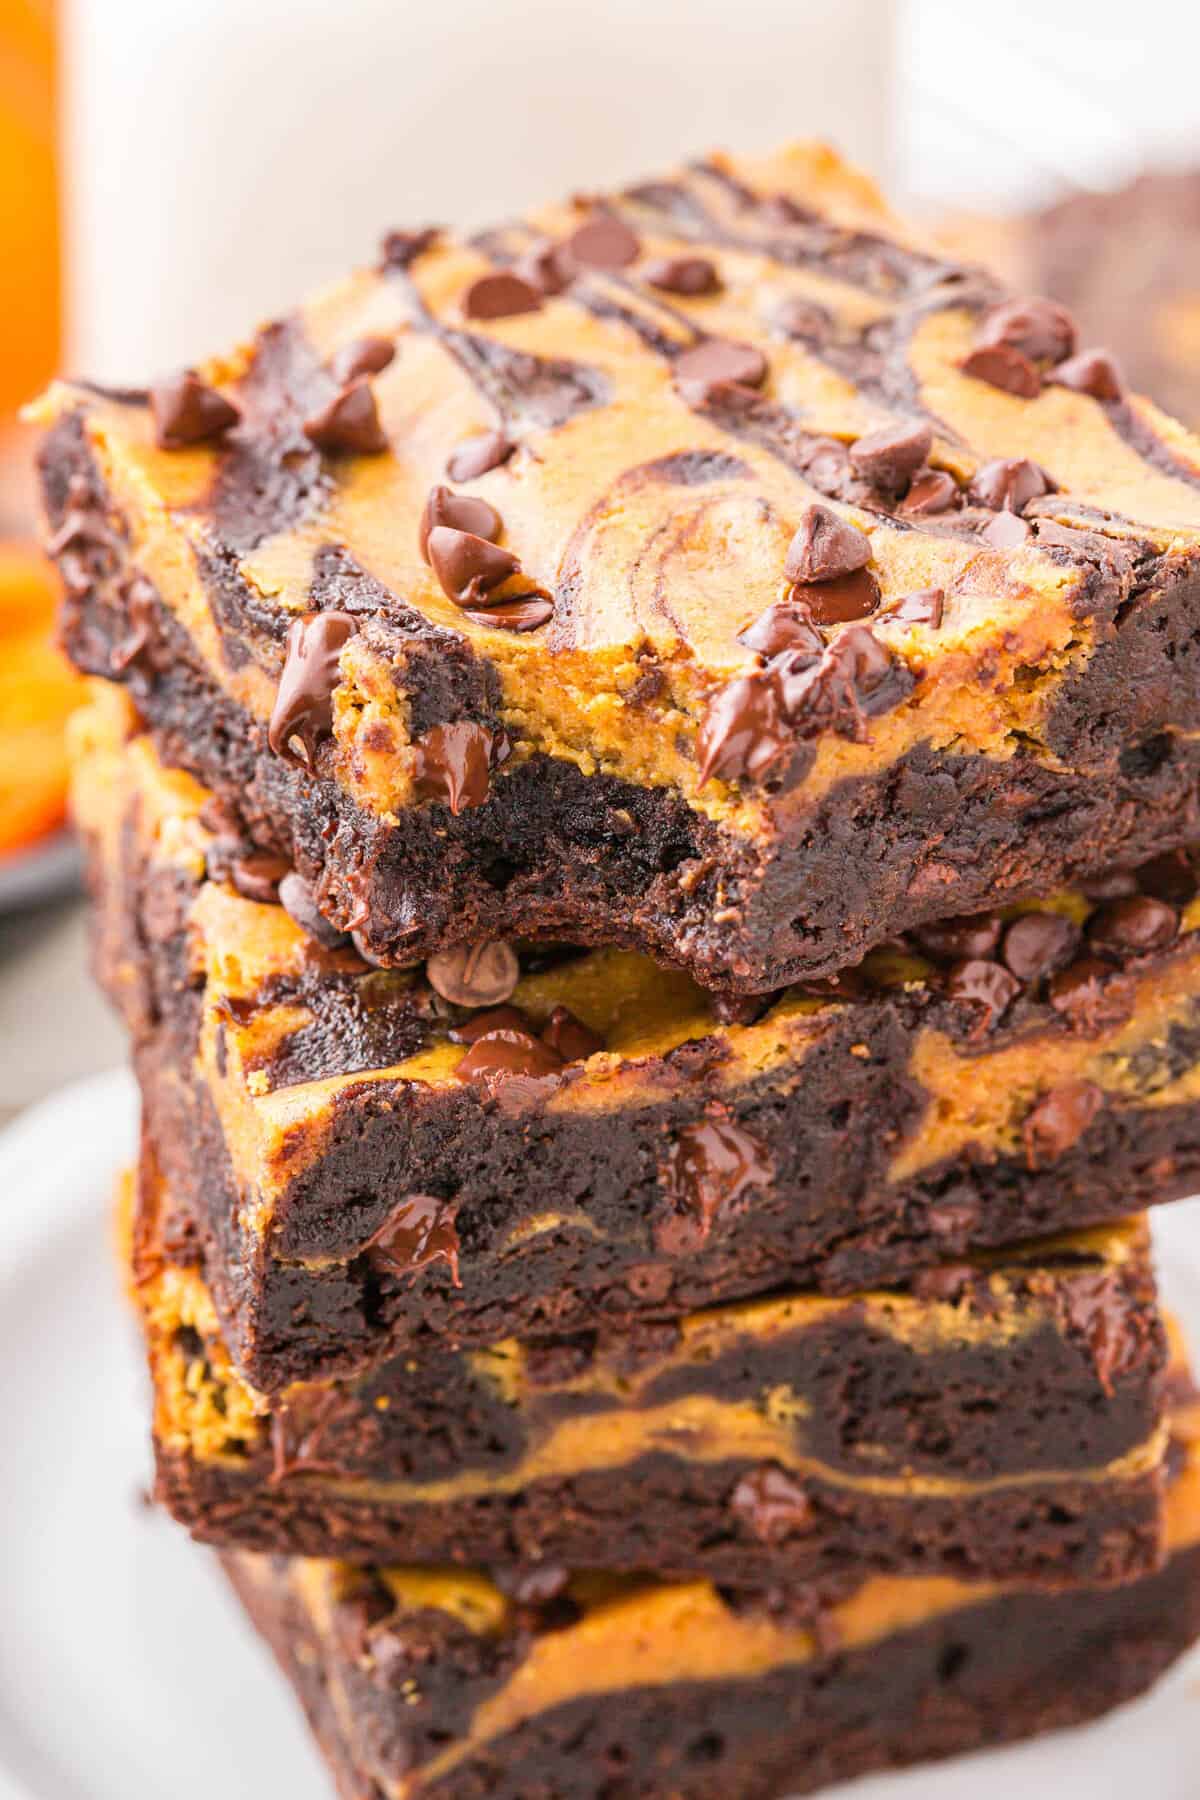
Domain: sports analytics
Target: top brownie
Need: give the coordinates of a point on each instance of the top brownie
(708, 568)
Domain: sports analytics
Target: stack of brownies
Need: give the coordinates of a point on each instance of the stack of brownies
(638, 807)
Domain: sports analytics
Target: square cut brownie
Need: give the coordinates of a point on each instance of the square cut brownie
(709, 569)
(451, 1685)
(1007, 1424)
(369, 1164)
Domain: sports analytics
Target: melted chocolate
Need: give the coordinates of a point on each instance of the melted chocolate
(304, 700)
(419, 1232)
(710, 1170)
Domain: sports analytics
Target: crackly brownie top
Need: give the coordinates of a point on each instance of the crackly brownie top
(1022, 1024)
(723, 481)
(481, 1652)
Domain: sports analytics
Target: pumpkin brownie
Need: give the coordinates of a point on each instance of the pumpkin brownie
(370, 1164)
(1006, 1423)
(450, 1685)
(711, 569)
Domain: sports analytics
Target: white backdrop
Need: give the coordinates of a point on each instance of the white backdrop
(224, 155)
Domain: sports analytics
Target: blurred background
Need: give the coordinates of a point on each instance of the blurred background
(171, 172)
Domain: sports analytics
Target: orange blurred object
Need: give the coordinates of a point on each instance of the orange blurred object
(38, 689)
(30, 299)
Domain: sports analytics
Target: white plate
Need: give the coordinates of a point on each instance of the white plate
(126, 1671)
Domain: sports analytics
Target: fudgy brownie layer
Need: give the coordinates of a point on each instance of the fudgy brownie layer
(1010, 1427)
(893, 616)
(301, 1102)
(418, 1702)
(679, 1520)
(596, 860)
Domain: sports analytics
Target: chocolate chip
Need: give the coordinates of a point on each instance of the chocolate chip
(476, 455)
(454, 764)
(946, 1283)
(798, 318)
(257, 876)
(925, 607)
(1008, 483)
(467, 566)
(932, 492)
(603, 242)
(1134, 927)
(461, 512)
(1170, 877)
(1007, 531)
(889, 457)
(958, 940)
(547, 268)
(1003, 367)
(304, 699)
(365, 356)
(745, 731)
(482, 974)
(418, 1232)
(771, 1505)
(500, 296)
(1096, 1309)
(857, 678)
(954, 1219)
(400, 249)
(787, 625)
(1039, 329)
(492, 1018)
(300, 1430)
(523, 612)
(1093, 372)
(985, 985)
(569, 1037)
(508, 1052)
(1056, 1122)
(689, 275)
(349, 423)
(188, 411)
(704, 372)
(296, 898)
(825, 546)
(846, 598)
(1091, 995)
(1038, 943)
(711, 1168)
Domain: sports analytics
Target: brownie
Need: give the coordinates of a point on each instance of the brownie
(710, 569)
(543, 1686)
(362, 1178)
(1007, 1424)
